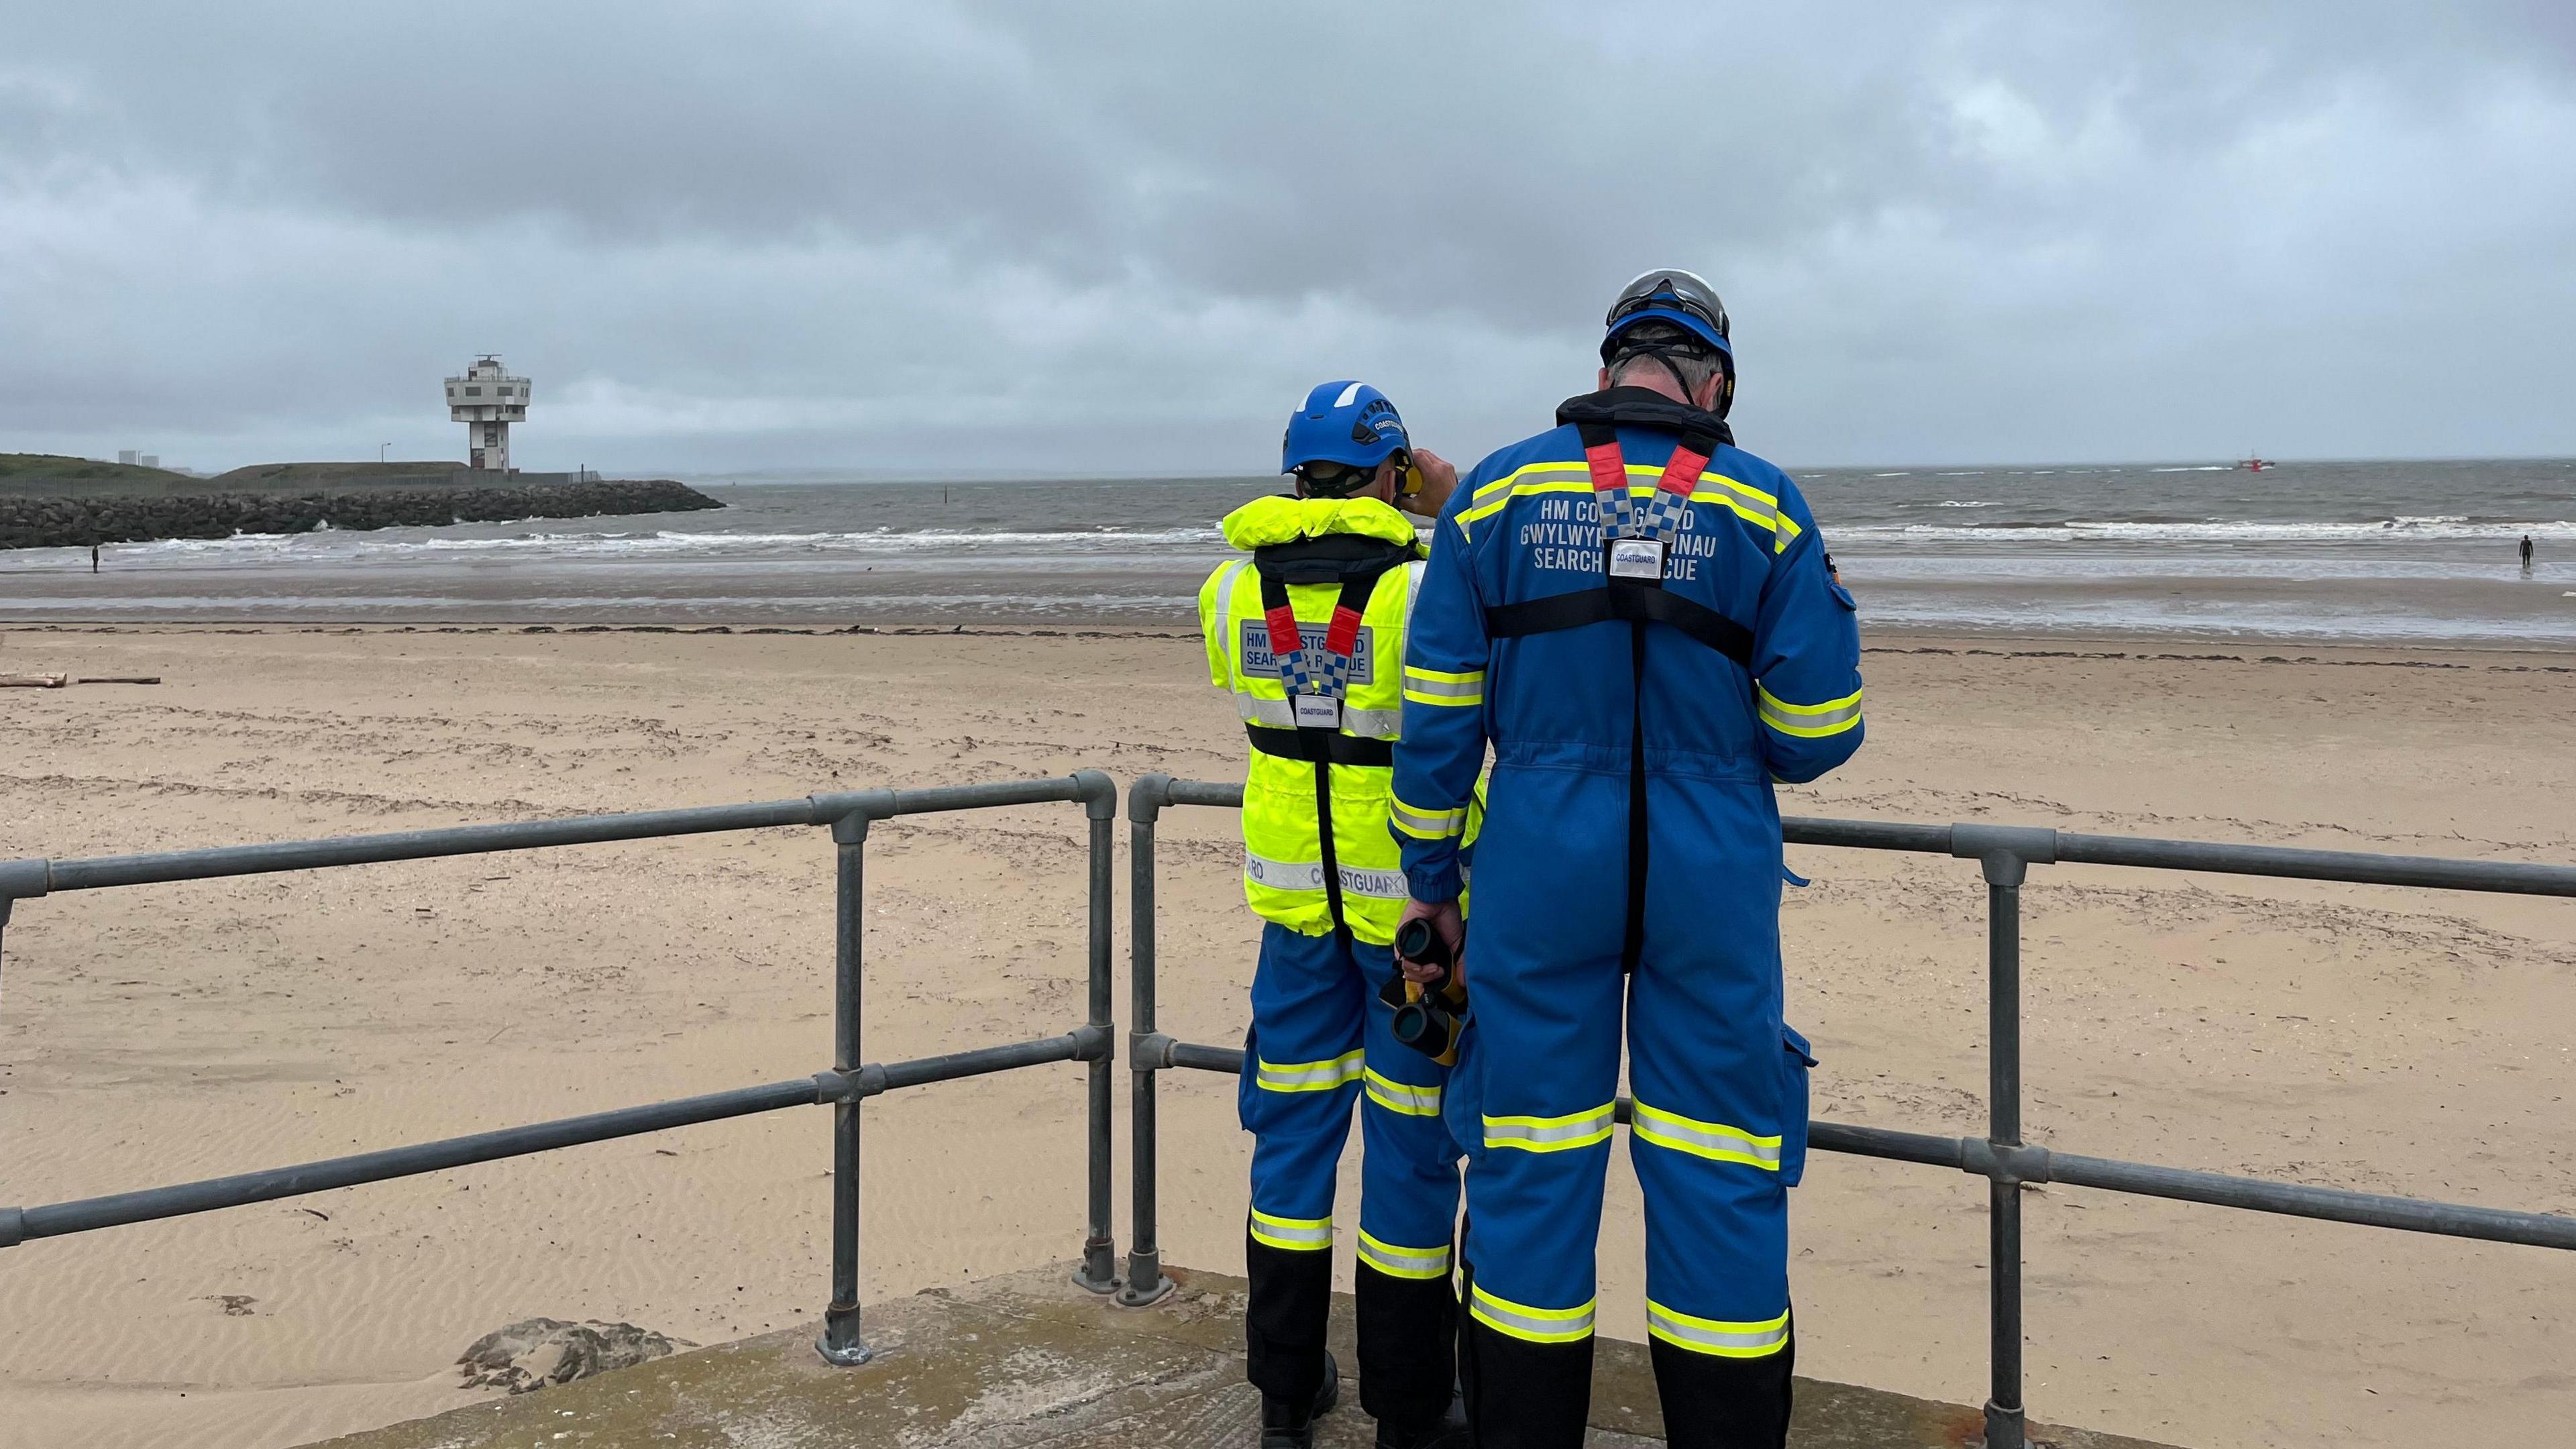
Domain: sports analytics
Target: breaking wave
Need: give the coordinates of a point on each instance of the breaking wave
(2113, 531)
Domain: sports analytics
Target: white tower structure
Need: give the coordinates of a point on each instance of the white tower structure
(487, 400)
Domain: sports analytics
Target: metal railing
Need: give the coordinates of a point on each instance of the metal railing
(2005, 854)
(848, 1083)
(2001, 1157)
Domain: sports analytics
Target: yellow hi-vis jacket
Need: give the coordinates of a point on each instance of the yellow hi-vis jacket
(1283, 857)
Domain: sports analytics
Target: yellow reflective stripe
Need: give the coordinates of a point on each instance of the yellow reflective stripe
(1341, 1071)
(1403, 1097)
(1551, 1134)
(1297, 1235)
(1716, 1336)
(1713, 1140)
(1580, 471)
(1748, 503)
(1398, 1262)
(1537, 1325)
(1424, 824)
(1435, 686)
(1807, 721)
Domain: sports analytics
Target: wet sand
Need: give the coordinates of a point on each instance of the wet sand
(2377, 1039)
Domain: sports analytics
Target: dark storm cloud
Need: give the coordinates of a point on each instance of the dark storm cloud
(1125, 238)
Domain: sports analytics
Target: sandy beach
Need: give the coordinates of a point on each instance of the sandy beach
(2365, 1038)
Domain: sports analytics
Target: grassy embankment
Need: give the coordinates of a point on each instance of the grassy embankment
(24, 468)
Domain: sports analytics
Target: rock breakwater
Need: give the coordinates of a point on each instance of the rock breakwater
(38, 521)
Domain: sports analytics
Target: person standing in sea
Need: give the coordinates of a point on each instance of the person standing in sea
(2526, 553)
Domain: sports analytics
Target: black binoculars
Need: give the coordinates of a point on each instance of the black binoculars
(1426, 1017)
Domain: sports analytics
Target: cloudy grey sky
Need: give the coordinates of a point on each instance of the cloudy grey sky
(963, 237)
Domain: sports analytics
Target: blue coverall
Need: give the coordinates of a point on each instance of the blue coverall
(1718, 1079)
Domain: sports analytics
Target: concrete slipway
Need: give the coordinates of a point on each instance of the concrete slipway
(1030, 1360)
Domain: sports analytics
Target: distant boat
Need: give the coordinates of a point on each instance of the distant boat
(2254, 464)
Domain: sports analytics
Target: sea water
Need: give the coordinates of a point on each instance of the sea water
(2395, 553)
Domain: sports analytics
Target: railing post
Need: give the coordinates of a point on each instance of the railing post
(19, 880)
(2005, 853)
(1145, 1280)
(2004, 874)
(1099, 1271)
(841, 1343)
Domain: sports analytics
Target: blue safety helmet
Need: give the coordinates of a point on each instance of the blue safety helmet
(1345, 422)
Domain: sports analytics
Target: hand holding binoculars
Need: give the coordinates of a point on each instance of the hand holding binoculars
(1426, 1016)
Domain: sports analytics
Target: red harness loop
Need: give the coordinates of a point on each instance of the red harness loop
(1344, 635)
(1609, 469)
(1681, 472)
(1284, 636)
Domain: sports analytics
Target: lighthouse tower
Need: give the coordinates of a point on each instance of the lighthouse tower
(487, 400)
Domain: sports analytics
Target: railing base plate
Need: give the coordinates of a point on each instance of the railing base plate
(1092, 1279)
(1133, 1297)
(841, 1344)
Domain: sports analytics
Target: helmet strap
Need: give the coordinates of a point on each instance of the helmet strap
(1725, 377)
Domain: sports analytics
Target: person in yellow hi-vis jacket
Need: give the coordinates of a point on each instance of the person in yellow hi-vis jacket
(1307, 634)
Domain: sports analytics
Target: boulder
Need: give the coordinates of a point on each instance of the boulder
(535, 1352)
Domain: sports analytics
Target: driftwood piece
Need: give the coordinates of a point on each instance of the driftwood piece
(34, 681)
(118, 679)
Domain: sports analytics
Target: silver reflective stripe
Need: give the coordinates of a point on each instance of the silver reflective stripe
(1704, 1139)
(1412, 586)
(1540, 1325)
(1225, 602)
(1417, 683)
(1746, 501)
(1368, 724)
(1306, 1076)
(1401, 1097)
(1550, 1134)
(1708, 1335)
(1295, 1234)
(1424, 823)
(1308, 875)
(1404, 1262)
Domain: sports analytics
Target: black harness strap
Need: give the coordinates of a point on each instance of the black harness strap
(1632, 941)
(1321, 747)
(1626, 599)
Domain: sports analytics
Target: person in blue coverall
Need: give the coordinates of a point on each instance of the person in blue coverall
(1640, 619)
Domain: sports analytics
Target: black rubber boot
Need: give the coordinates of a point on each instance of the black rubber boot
(1290, 1423)
(1283, 1331)
(1408, 1354)
(1712, 1402)
(1523, 1395)
(1449, 1431)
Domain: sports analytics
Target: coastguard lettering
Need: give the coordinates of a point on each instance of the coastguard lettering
(1562, 547)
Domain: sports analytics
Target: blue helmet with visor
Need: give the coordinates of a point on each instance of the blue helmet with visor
(1687, 317)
